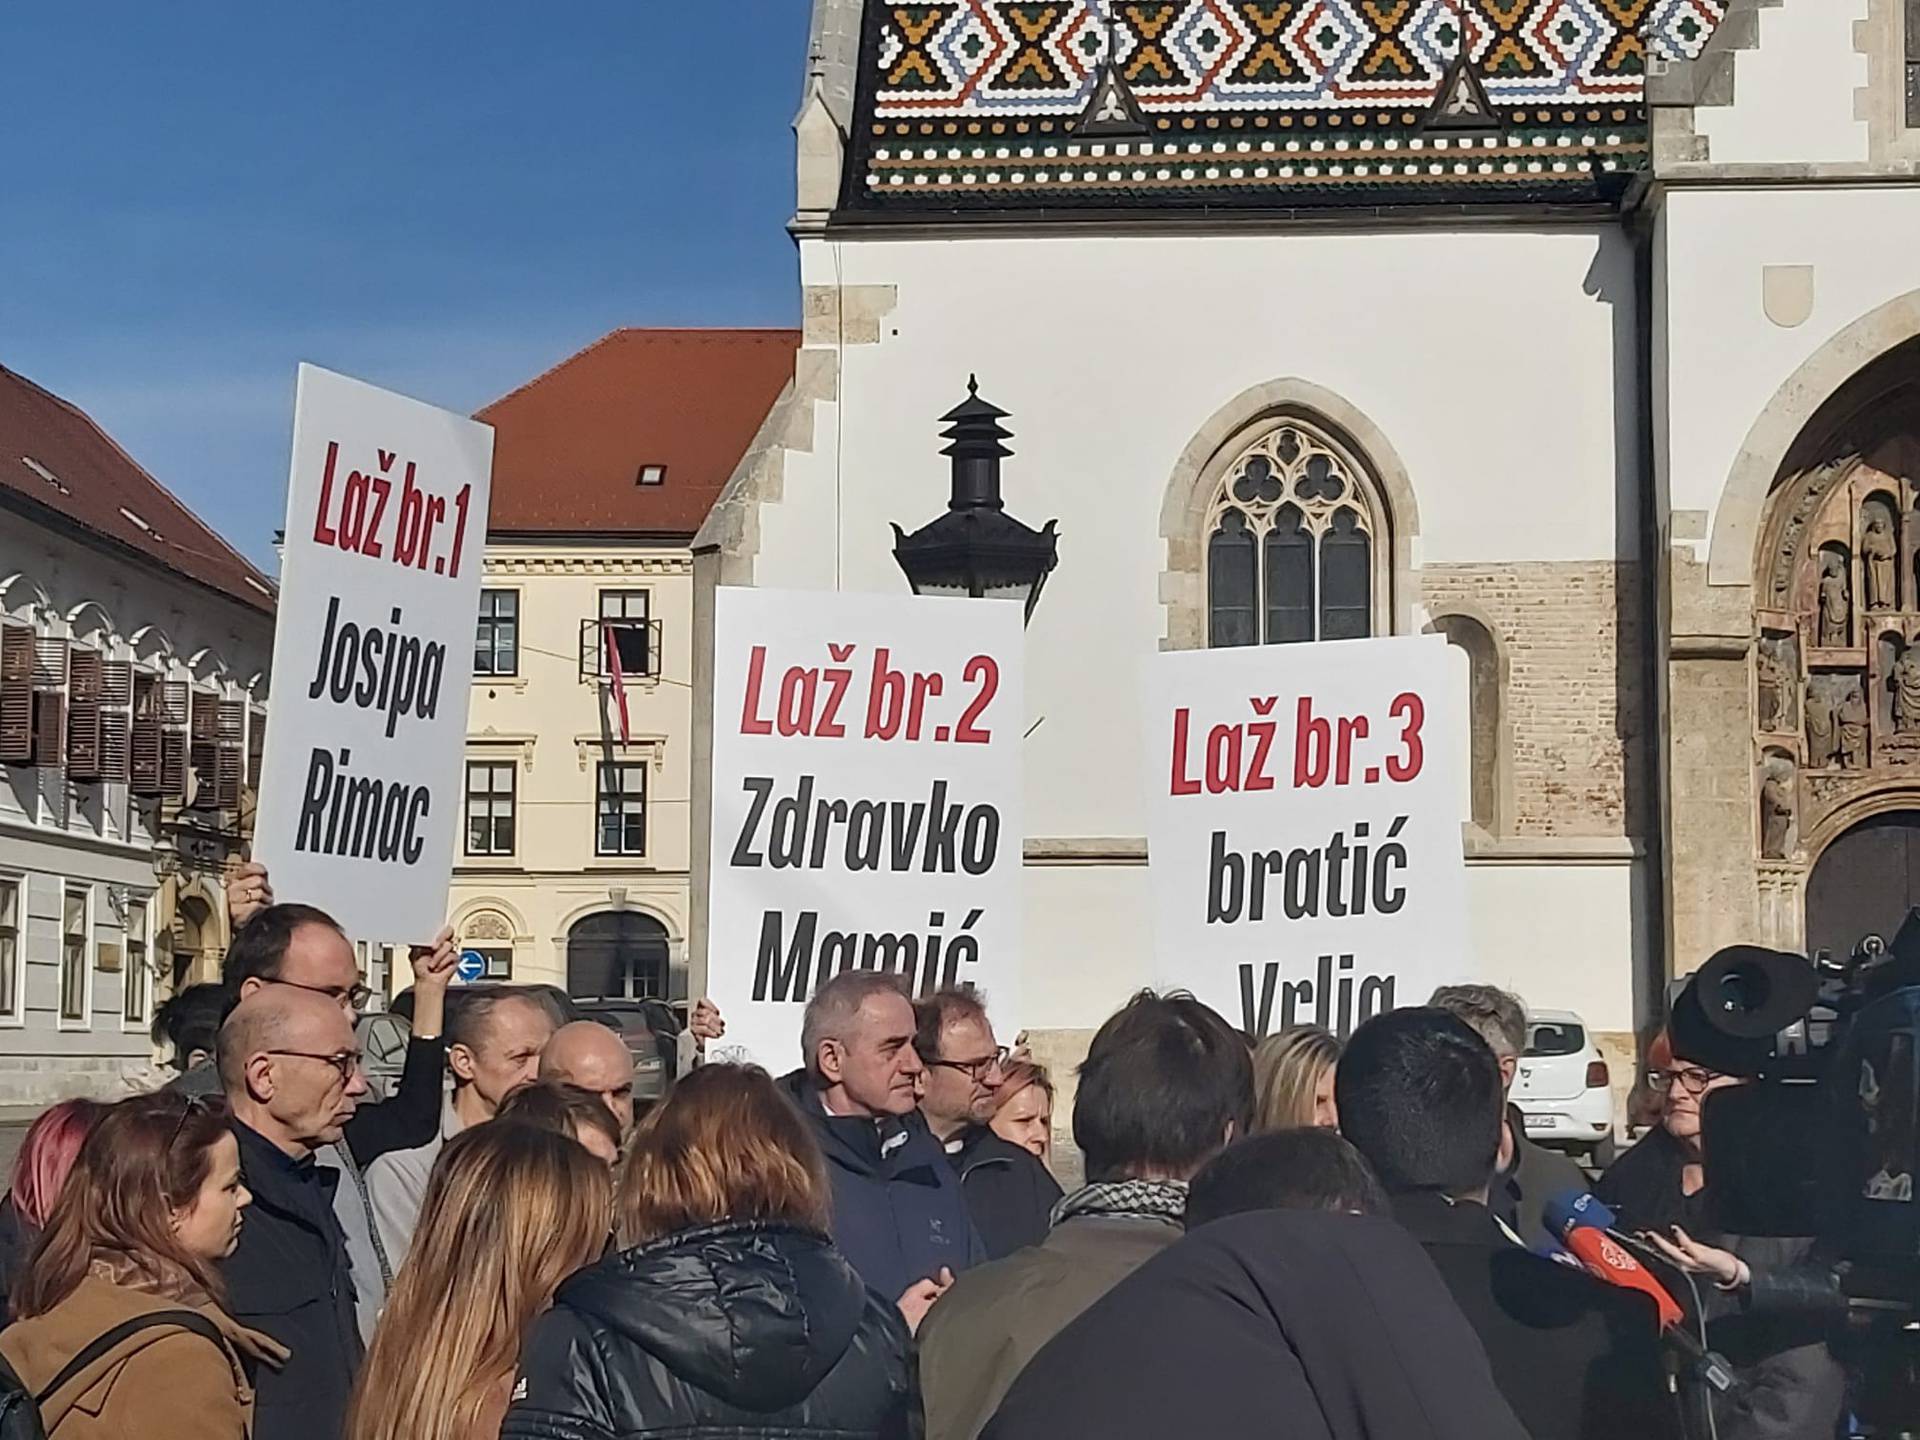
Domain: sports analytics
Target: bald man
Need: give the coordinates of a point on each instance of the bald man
(593, 1057)
(290, 1066)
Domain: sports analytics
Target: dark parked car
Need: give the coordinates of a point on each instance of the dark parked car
(651, 1030)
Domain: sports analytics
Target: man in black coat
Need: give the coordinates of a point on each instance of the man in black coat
(1283, 1324)
(293, 1079)
(1420, 1096)
(1009, 1193)
(898, 1213)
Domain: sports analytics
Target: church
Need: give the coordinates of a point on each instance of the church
(1584, 333)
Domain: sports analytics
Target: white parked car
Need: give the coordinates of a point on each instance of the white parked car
(1563, 1089)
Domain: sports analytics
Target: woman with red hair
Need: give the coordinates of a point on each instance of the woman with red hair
(120, 1332)
(40, 1170)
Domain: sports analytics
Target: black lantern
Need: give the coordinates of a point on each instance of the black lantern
(976, 548)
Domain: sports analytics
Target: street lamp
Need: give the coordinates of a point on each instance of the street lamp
(976, 548)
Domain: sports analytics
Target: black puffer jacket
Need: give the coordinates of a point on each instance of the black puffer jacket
(722, 1332)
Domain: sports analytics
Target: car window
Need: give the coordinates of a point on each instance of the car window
(1548, 1038)
(386, 1039)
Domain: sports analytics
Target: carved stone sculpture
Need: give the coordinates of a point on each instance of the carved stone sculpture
(1853, 729)
(1878, 551)
(1835, 609)
(1906, 693)
(1823, 729)
(1778, 686)
(1776, 809)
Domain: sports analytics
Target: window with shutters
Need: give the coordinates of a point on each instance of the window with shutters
(175, 717)
(84, 687)
(137, 979)
(13, 892)
(230, 758)
(76, 963)
(49, 702)
(1296, 543)
(256, 745)
(144, 737)
(16, 694)
(205, 750)
(116, 719)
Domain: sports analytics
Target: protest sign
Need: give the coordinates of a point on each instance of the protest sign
(1304, 828)
(360, 785)
(866, 801)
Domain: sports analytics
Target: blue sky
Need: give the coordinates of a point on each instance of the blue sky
(441, 198)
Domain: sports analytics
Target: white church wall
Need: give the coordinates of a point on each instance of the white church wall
(1793, 97)
(1724, 357)
(1498, 363)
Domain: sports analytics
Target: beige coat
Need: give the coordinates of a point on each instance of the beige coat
(160, 1383)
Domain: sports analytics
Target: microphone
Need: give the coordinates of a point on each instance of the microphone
(1582, 1224)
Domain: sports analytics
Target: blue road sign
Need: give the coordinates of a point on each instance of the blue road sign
(473, 966)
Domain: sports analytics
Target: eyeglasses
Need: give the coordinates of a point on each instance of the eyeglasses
(344, 1062)
(356, 996)
(1692, 1079)
(977, 1070)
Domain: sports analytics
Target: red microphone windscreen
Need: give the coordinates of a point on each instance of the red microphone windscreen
(1605, 1259)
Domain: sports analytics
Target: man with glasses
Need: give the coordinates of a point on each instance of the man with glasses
(1009, 1193)
(301, 948)
(291, 1070)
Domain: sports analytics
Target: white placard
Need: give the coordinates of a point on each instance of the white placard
(1304, 814)
(866, 802)
(360, 786)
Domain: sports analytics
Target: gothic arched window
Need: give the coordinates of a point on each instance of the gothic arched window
(1296, 543)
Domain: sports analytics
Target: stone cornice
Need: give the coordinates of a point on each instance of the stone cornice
(617, 565)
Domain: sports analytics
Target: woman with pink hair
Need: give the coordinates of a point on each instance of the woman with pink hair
(40, 1172)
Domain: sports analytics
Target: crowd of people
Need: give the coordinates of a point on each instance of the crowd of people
(1295, 1238)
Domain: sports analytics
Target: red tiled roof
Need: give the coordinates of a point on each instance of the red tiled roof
(53, 455)
(569, 446)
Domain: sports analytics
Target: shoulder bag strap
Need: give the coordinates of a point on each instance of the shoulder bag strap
(103, 1343)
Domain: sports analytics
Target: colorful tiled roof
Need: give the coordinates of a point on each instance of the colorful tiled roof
(1022, 103)
(636, 434)
(53, 457)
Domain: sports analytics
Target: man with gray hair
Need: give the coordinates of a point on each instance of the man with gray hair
(898, 1211)
(1526, 1175)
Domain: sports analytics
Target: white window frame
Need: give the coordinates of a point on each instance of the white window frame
(64, 1020)
(491, 677)
(140, 974)
(16, 1017)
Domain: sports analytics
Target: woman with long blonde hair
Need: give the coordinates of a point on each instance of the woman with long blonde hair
(728, 1314)
(1293, 1080)
(510, 1212)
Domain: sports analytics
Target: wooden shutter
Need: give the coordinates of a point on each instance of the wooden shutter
(49, 727)
(176, 710)
(256, 746)
(145, 746)
(49, 701)
(16, 694)
(84, 687)
(231, 760)
(173, 766)
(203, 753)
(116, 715)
